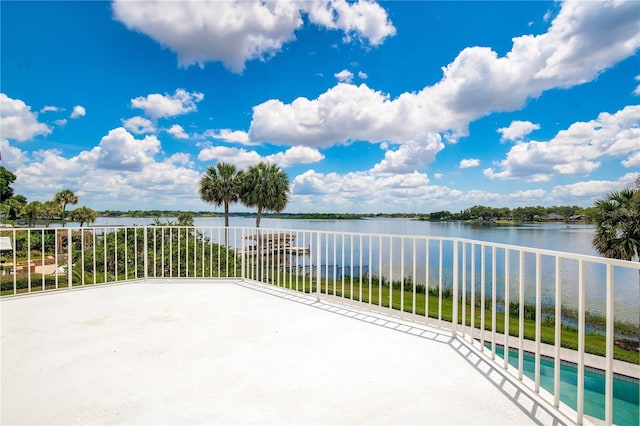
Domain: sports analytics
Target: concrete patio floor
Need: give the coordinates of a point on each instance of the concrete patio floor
(237, 352)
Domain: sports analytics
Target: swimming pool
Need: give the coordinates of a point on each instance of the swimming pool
(626, 390)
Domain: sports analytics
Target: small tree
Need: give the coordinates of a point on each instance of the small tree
(31, 212)
(83, 214)
(65, 197)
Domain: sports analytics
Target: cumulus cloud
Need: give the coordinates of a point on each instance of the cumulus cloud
(409, 156)
(592, 188)
(119, 150)
(574, 151)
(362, 75)
(156, 105)
(236, 32)
(295, 155)
(139, 125)
(18, 122)
(228, 135)
(177, 132)
(78, 111)
(584, 39)
(242, 158)
(469, 162)
(50, 108)
(344, 76)
(517, 130)
(637, 91)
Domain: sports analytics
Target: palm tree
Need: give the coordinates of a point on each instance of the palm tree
(265, 186)
(65, 197)
(31, 211)
(49, 210)
(83, 214)
(221, 185)
(618, 224)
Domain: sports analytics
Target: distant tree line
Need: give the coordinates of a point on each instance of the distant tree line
(16, 207)
(519, 214)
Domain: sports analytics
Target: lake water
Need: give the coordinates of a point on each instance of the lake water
(572, 238)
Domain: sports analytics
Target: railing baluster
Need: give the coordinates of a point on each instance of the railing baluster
(440, 256)
(581, 325)
(464, 288)
(482, 296)
(557, 334)
(414, 277)
(507, 306)
(454, 319)
(538, 321)
(610, 330)
(521, 318)
(493, 301)
(473, 293)
(401, 274)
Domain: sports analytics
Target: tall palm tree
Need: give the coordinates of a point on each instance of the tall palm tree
(65, 197)
(265, 186)
(49, 210)
(618, 224)
(220, 185)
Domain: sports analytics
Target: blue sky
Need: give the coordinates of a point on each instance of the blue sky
(369, 107)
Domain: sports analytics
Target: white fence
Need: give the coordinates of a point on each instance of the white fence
(494, 296)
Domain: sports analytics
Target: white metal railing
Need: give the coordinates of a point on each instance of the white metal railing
(497, 297)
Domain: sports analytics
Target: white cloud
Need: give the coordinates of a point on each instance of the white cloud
(469, 162)
(633, 160)
(438, 176)
(593, 188)
(61, 122)
(295, 155)
(579, 45)
(344, 76)
(178, 132)
(139, 125)
(242, 158)
(409, 156)
(78, 111)
(167, 105)
(116, 174)
(50, 108)
(236, 32)
(637, 91)
(228, 135)
(239, 157)
(362, 75)
(574, 151)
(529, 194)
(119, 150)
(517, 130)
(18, 122)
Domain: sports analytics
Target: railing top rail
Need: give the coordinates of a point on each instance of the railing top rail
(534, 250)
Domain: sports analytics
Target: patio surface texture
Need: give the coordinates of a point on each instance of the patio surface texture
(238, 352)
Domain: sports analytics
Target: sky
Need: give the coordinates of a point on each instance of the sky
(369, 107)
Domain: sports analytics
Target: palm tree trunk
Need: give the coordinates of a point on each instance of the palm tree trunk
(226, 224)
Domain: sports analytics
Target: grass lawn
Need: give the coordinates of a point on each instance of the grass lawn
(594, 343)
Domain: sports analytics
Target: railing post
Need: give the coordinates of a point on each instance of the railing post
(145, 253)
(69, 284)
(455, 288)
(318, 263)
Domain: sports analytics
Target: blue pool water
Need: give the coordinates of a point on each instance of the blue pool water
(626, 390)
